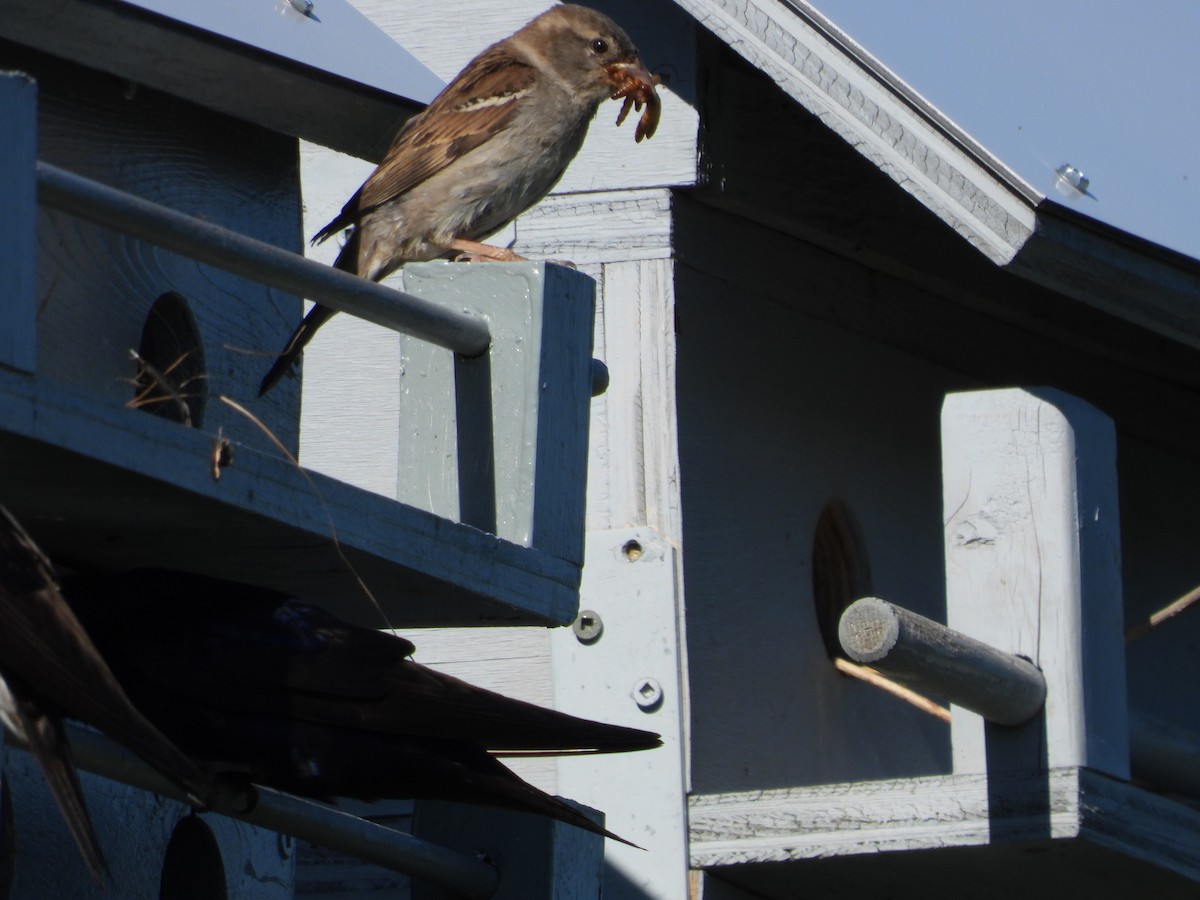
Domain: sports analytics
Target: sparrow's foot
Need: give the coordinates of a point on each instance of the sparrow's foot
(473, 251)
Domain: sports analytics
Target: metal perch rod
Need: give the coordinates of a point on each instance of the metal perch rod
(465, 875)
(203, 241)
(926, 655)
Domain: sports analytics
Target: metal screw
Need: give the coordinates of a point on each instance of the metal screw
(588, 626)
(632, 551)
(648, 694)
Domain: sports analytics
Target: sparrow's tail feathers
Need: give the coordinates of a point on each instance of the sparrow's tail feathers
(347, 261)
(317, 316)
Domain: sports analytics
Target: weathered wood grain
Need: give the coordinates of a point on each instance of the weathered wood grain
(926, 655)
(95, 286)
(135, 490)
(1033, 567)
(931, 813)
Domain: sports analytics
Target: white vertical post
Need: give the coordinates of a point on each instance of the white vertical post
(1033, 566)
(18, 221)
(628, 670)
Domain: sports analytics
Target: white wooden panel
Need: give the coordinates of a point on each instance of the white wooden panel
(640, 468)
(599, 227)
(610, 158)
(872, 818)
(778, 414)
(351, 368)
(630, 581)
(1033, 565)
(511, 661)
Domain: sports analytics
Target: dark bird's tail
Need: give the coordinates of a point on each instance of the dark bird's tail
(52, 670)
(46, 740)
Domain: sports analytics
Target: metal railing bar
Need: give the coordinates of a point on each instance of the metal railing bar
(450, 869)
(261, 262)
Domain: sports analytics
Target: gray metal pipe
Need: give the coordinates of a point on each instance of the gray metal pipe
(450, 869)
(926, 655)
(261, 262)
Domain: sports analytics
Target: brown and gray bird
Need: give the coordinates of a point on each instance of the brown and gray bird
(50, 671)
(490, 145)
(259, 685)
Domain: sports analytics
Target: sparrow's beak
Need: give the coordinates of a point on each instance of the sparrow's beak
(632, 82)
(621, 74)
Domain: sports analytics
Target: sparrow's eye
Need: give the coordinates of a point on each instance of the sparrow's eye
(599, 45)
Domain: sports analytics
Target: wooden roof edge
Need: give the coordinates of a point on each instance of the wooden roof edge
(304, 94)
(988, 204)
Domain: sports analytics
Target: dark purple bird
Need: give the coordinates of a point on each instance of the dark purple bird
(255, 683)
(51, 671)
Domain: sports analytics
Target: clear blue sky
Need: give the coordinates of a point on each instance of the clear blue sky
(1112, 88)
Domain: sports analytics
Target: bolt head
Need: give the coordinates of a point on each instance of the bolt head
(588, 626)
(648, 694)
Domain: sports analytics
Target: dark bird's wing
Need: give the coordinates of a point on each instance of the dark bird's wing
(53, 671)
(43, 734)
(259, 651)
(295, 698)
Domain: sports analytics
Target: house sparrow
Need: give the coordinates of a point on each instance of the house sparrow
(257, 684)
(50, 670)
(490, 145)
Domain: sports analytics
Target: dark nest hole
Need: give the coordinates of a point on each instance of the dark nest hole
(172, 381)
(841, 572)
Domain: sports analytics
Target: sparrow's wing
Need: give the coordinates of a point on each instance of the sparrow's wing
(43, 734)
(44, 647)
(479, 103)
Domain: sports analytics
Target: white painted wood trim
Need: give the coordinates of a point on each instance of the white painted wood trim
(942, 811)
(629, 583)
(1033, 568)
(989, 206)
(868, 817)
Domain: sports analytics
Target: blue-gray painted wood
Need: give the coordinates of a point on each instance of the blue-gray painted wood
(263, 263)
(18, 223)
(134, 828)
(537, 857)
(500, 442)
(95, 287)
(102, 486)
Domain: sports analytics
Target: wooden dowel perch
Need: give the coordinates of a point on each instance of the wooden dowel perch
(925, 655)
